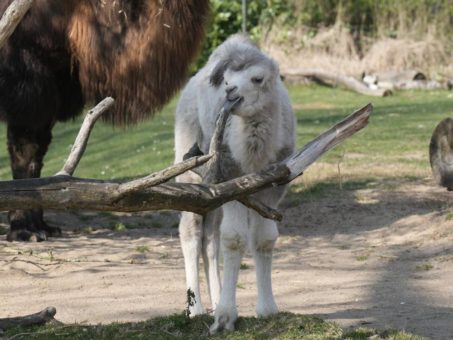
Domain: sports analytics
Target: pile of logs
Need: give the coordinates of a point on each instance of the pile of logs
(379, 84)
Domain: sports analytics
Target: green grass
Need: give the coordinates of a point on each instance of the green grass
(282, 326)
(401, 124)
(398, 133)
(424, 267)
(112, 153)
(142, 249)
(362, 258)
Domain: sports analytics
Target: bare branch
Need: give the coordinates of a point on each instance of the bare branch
(211, 173)
(161, 176)
(12, 17)
(82, 138)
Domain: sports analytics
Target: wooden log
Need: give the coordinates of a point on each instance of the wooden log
(334, 79)
(12, 17)
(66, 192)
(40, 318)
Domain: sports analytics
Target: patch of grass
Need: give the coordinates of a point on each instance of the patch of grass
(244, 266)
(449, 216)
(424, 266)
(362, 258)
(284, 326)
(142, 249)
(368, 334)
(119, 227)
(240, 286)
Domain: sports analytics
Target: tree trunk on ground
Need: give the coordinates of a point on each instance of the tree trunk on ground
(333, 79)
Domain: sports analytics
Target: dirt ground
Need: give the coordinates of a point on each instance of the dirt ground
(377, 257)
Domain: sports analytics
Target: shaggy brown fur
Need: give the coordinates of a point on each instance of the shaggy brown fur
(153, 43)
(441, 153)
(68, 52)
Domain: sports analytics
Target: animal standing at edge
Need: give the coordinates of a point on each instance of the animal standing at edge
(66, 53)
(259, 132)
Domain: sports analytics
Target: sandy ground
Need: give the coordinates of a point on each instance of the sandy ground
(378, 257)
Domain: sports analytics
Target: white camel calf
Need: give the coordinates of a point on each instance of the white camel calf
(259, 132)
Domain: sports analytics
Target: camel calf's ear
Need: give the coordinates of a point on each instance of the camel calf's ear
(216, 77)
(193, 151)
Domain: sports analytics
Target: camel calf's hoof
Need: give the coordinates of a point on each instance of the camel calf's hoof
(224, 321)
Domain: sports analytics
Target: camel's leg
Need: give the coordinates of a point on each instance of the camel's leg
(27, 147)
(191, 234)
(233, 235)
(264, 234)
(211, 246)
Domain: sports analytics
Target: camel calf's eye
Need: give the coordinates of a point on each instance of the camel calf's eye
(257, 80)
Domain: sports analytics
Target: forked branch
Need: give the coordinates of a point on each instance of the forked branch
(66, 192)
(82, 138)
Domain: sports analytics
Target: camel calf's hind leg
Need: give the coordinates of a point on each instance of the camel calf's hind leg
(201, 235)
(27, 147)
(210, 250)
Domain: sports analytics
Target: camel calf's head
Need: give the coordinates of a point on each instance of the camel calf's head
(248, 76)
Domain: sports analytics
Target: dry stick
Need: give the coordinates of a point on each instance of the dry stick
(211, 172)
(72, 193)
(12, 17)
(161, 176)
(82, 138)
(39, 318)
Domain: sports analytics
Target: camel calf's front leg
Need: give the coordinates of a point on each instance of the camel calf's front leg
(233, 235)
(191, 234)
(264, 234)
